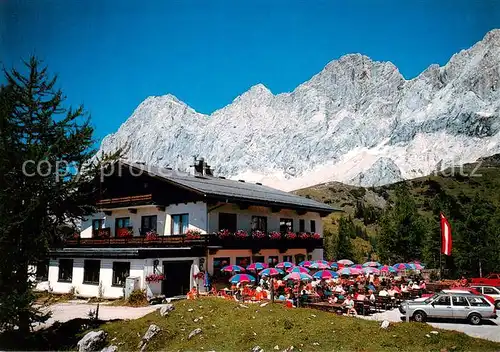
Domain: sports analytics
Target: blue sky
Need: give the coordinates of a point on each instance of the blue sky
(111, 55)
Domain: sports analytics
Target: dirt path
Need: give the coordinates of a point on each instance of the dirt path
(66, 311)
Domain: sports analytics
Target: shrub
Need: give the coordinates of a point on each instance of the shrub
(137, 298)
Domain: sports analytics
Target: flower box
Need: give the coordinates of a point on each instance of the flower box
(224, 234)
(275, 235)
(193, 235)
(259, 235)
(151, 236)
(290, 235)
(124, 233)
(241, 234)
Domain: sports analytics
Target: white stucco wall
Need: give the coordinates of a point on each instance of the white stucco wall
(197, 218)
(244, 218)
(105, 277)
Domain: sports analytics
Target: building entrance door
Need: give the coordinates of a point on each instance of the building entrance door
(177, 278)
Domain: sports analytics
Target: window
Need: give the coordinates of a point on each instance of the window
(180, 224)
(243, 261)
(148, 223)
(443, 301)
(299, 258)
(91, 270)
(258, 259)
(65, 270)
(259, 223)
(219, 263)
(97, 224)
(121, 223)
(460, 301)
(288, 258)
(272, 261)
(42, 271)
(490, 291)
(302, 225)
(121, 270)
(313, 225)
(478, 301)
(227, 221)
(286, 225)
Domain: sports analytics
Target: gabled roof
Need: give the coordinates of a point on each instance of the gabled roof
(231, 190)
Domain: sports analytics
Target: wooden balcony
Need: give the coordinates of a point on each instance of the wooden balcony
(125, 201)
(206, 241)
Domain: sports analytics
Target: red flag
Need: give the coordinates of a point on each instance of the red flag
(445, 236)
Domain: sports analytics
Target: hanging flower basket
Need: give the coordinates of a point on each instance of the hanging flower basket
(199, 276)
(275, 235)
(154, 278)
(241, 234)
(193, 234)
(291, 235)
(259, 235)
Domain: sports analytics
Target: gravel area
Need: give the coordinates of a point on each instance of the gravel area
(489, 330)
(66, 311)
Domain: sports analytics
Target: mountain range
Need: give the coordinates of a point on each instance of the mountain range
(358, 121)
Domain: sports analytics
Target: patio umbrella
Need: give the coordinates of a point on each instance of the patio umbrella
(233, 269)
(322, 262)
(371, 270)
(357, 266)
(240, 278)
(349, 271)
(416, 266)
(298, 269)
(325, 274)
(317, 265)
(271, 272)
(386, 269)
(333, 265)
(305, 263)
(256, 266)
(372, 264)
(401, 266)
(345, 262)
(298, 277)
(284, 265)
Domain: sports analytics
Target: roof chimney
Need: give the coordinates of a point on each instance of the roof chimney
(201, 168)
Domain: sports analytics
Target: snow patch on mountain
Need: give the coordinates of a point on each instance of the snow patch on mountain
(357, 121)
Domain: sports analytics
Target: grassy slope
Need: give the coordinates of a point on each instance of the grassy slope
(226, 326)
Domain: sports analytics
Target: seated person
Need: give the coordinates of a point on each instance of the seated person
(332, 299)
(372, 297)
(383, 292)
(349, 304)
(404, 288)
(360, 296)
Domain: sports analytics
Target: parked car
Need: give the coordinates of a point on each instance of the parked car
(492, 279)
(490, 291)
(451, 305)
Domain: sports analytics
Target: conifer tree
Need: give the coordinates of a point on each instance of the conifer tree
(43, 143)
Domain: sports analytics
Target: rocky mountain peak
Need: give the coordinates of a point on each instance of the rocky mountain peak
(357, 121)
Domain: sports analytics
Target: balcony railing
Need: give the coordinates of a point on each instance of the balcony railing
(124, 201)
(208, 240)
